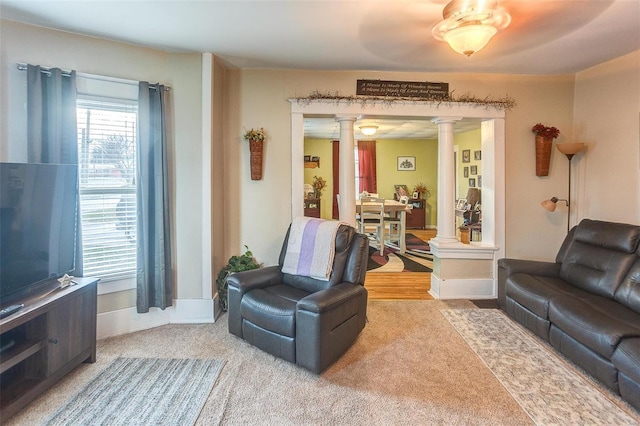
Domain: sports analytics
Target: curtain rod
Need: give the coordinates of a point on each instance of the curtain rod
(45, 70)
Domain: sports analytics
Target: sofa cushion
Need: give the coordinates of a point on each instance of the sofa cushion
(597, 322)
(629, 291)
(600, 256)
(273, 308)
(626, 358)
(534, 292)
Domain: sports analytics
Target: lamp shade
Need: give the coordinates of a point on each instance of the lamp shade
(570, 148)
(468, 39)
(549, 205)
(368, 130)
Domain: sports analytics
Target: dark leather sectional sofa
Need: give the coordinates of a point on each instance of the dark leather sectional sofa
(587, 303)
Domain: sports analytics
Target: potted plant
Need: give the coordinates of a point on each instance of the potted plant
(243, 262)
(421, 188)
(256, 138)
(544, 139)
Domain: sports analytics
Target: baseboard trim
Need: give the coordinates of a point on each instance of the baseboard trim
(482, 288)
(183, 311)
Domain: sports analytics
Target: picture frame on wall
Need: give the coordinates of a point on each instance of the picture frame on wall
(474, 170)
(466, 172)
(472, 182)
(466, 155)
(477, 155)
(479, 181)
(307, 158)
(406, 164)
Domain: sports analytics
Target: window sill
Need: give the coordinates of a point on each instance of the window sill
(124, 284)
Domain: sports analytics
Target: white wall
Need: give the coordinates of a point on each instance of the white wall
(35, 45)
(607, 120)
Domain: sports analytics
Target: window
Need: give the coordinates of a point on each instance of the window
(107, 162)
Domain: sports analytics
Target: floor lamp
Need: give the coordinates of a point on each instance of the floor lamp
(568, 149)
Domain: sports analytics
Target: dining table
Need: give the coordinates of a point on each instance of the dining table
(395, 208)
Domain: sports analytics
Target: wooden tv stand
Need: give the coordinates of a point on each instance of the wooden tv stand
(52, 334)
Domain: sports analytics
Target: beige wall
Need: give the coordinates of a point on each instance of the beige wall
(35, 45)
(607, 120)
(259, 98)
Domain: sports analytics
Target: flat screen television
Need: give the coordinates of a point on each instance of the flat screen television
(37, 226)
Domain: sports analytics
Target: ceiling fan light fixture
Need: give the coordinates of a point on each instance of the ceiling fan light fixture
(468, 25)
(469, 39)
(368, 130)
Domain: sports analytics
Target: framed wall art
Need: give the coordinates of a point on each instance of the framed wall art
(466, 156)
(406, 163)
(474, 170)
(477, 155)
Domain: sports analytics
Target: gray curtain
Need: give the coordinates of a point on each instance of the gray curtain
(52, 126)
(153, 230)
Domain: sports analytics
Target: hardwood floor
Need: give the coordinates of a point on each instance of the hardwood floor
(401, 285)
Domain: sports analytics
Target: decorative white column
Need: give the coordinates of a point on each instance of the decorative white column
(346, 169)
(446, 181)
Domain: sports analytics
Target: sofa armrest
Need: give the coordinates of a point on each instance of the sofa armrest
(325, 300)
(507, 267)
(533, 267)
(240, 283)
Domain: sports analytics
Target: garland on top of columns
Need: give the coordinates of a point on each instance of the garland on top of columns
(487, 102)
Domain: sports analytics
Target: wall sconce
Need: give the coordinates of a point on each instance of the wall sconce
(468, 25)
(568, 149)
(368, 130)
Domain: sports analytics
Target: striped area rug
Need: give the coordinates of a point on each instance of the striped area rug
(142, 391)
(548, 388)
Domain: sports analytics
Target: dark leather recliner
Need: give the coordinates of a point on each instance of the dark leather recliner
(303, 320)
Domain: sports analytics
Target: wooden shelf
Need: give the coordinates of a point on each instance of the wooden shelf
(311, 164)
(53, 333)
(19, 353)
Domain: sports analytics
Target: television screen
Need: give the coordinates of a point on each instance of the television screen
(37, 225)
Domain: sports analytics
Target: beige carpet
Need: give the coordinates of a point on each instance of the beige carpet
(409, 366)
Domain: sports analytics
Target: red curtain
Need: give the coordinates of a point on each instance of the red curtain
(336, 178)
(367, 166)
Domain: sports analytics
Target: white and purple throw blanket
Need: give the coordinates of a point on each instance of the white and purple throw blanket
(311, 248)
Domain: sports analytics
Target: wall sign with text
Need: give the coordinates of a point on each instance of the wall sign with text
(403, 89)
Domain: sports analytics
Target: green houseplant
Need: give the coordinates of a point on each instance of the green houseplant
(243, 262)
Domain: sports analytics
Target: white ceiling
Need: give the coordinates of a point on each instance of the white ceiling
(545, 36)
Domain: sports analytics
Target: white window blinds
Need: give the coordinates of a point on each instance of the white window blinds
(107, 162)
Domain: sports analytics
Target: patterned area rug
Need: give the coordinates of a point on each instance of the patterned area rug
(142, 391)
(417, 257)
(546, 386)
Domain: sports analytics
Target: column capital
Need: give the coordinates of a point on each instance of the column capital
(347, 117)
(443, 120)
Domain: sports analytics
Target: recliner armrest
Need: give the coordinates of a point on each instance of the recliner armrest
(325, 300)
(256, 278)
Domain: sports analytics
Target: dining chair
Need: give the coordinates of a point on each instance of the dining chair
(372, 216)
(394, 222)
